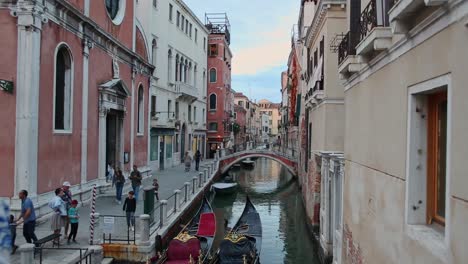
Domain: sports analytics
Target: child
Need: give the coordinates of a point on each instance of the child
(74, 216)
(156, 188)
(129, 207)
(13, 234)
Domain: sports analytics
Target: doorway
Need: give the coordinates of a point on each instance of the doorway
(182, 143)
(113, 139)
(161, 152)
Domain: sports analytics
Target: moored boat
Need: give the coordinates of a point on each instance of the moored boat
(224, 187)
(248, 163)
(193, 244)
(243, 243)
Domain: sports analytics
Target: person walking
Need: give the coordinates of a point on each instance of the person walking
(29, 217)
(197, 159)
(135, 177)
(67, 198)
(60, 213)
(156, 188)
(130, 207)
(110, 172)
(74, 216)
(187, 161)
(119, 184)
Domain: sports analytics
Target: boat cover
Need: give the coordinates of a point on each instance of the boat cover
(207, 225)
(182, 250)
(232, 252)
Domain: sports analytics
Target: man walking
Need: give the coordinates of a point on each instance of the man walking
(135, 177)
(29, 217)
(67, 198)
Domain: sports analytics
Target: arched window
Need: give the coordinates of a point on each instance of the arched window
(189, 78)
(213, 102)
(204, 81)
(195, 76)
(169, 66)
(177, 67)
(181, 69)
(140, 110)
(63, 89)
(213, 77)
(186, 67)
(154, 46)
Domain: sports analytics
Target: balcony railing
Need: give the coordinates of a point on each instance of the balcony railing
(346, 48)
(186, 91)
(374, 15)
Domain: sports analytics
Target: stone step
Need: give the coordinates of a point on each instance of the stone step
(107, 261)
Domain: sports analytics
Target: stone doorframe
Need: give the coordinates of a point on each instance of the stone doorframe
(112, 96)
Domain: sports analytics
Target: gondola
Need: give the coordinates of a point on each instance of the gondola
(193, 244)
(224, 187)
(242, 244)
(248, 163)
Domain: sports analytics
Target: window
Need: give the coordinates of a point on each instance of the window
(63, 90)
(177, 110)
(178, 19)
(213, 51)
(169, 107)
(186, 27)
(112, 7)
(213, 76)
(190, 113)
(315, 58)
(195, 114)
(170, 12)
(322, 46)
(169, 66)
(177, 68)
(241, 103)
(203, 114)
(271, 122)
(153, 106)
(155, 3)
(195, 76)
(213, 126)
(204, 82)
(190, 31)
(154, 47)
(182, 23)
(213, 102)
(204, 44)
(235, 115)
(270, 113)
(140, 110)
(196, 35)
(437, 157)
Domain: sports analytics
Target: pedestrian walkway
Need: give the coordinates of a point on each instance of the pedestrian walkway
(169, 180)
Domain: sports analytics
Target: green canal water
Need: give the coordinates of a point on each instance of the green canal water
(286, 238)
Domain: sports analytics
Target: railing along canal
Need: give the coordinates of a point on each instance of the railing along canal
(85, 254)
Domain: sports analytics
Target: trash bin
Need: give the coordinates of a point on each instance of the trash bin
(148, 202)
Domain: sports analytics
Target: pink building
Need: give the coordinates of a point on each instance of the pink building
(220, 95)
(75, 78)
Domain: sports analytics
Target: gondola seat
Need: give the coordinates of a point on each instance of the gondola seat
(207, 225)
(180, 251)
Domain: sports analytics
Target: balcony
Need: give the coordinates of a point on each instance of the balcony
(186, 92)
(347, 60)
(375, 34)
(401, 10)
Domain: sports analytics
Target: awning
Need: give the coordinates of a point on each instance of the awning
(162, 131)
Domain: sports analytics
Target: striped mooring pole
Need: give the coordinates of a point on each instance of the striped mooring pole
(93, 210)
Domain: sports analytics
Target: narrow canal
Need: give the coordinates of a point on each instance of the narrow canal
(278, 200)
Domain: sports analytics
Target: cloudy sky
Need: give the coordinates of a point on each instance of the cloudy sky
(260, 41)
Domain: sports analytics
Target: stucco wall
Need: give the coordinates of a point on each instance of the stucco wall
(59, 154)
(376, 131)
(8, 65)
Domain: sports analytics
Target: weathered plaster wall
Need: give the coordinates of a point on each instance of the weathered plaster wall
(8, 53)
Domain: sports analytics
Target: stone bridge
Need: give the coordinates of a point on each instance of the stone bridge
(289, 162)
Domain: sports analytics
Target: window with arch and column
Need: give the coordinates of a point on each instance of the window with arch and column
(213, 101)
(195, 71)
(63, 89)
(213, 75)
(169, 66)
(140, 109)
(154, 47)
(177, 67)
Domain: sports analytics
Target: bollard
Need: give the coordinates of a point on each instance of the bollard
(145, 230)
(186, 196)
(222, 153)
(96, 232)
(207, 176)
(194, 184)
(209, 170)
(97, 254)
(27, 253)
(200, 179)
(162, 214)
(217, 154)
(176, 200)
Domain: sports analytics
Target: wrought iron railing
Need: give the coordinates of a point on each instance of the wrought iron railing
(346, 48)
(368, 19)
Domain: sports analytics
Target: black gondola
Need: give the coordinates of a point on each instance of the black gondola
(242, 245)
(193, 244)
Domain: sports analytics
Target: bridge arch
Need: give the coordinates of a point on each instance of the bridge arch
(230, 161)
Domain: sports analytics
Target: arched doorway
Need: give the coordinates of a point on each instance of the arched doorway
(183, 135)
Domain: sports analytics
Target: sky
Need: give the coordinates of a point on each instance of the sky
(260, 41)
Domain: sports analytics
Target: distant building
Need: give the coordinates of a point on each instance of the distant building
(220, 113)
(239, 127)
(274, 120)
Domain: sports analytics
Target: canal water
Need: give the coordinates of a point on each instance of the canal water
(285, 235)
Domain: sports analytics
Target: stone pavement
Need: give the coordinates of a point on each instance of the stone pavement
(169, 180)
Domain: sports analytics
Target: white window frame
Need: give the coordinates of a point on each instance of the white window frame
(429, 236)
(72, 70)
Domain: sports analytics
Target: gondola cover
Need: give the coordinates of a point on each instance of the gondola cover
(235, 248)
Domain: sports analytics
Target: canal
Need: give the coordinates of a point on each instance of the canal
(285, 235)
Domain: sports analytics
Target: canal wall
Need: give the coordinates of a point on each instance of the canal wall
(154, 238)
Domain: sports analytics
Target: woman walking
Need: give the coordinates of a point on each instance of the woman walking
(187, 161)
(119, 184)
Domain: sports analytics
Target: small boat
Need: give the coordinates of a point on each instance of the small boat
(193, 244)
(224, 187)
(248, 162)
(244, 241)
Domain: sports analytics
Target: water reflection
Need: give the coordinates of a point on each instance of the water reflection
(285, 235)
